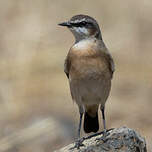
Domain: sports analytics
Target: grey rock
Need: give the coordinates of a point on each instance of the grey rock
(118, 140)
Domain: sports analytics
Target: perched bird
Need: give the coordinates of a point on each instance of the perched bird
(89, 68)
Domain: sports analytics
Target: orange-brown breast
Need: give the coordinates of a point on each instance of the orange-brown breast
(89, 62)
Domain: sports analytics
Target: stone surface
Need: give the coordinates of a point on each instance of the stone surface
(118, 140)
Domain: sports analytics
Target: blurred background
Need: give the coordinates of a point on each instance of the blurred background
(36, 109)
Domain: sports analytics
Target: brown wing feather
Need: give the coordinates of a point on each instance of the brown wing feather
(67, 66)
(110, 63)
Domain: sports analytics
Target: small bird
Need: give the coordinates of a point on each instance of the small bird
(89, 68)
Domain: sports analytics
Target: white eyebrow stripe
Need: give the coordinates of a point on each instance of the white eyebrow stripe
(78, 21)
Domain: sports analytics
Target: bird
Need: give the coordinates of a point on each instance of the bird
(89, 67)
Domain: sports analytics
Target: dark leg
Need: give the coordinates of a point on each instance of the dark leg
(80, 122)
(78, 142)
(105, 132)
(81, 111)
(103, 117)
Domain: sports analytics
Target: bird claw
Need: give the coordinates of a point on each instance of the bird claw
(103, 138)
(78, 143)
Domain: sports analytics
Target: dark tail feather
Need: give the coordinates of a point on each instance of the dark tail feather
(91, 124)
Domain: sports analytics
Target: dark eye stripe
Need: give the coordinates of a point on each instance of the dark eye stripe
(81, 24)
(75, 24)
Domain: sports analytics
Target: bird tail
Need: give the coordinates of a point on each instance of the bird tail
(91, 124)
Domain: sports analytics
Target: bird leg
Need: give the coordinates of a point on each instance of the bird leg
(78, 142)
(104, 125)
(104, 120)
(80, 122)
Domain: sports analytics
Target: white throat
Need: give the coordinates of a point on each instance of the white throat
(80, 33)
(81, 30)
(83, 44)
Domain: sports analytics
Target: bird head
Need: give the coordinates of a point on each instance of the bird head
(83, 27)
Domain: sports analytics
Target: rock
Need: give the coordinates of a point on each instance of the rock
(118, 140)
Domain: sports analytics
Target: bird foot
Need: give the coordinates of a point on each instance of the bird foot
(105, 134)
(78, 143)
(99, 133)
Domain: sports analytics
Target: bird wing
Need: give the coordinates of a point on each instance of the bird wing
(111, 64)
(67, 66)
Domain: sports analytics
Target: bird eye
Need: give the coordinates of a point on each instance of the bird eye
(83, 23)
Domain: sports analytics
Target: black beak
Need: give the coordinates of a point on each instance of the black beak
(65, 24)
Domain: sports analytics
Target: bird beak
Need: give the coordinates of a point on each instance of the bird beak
(65, 24)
